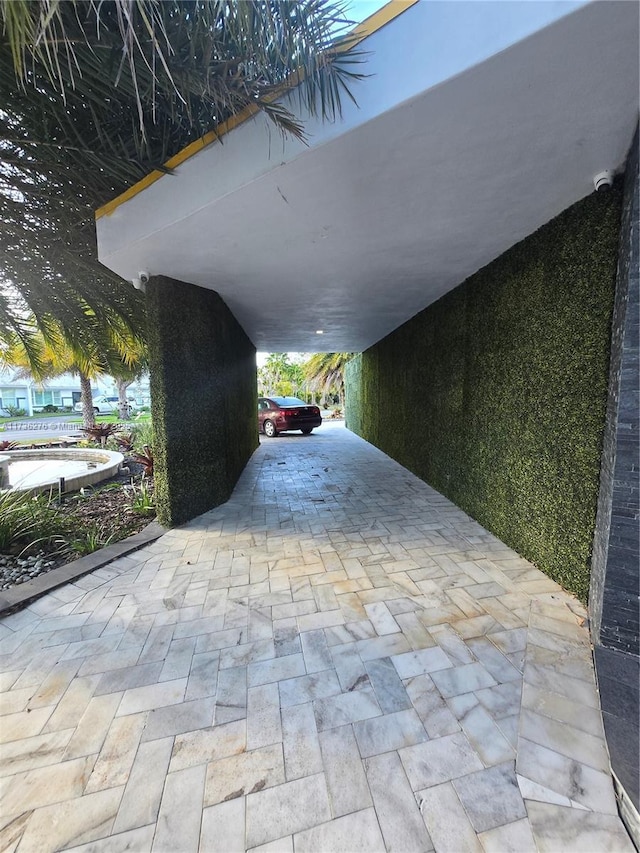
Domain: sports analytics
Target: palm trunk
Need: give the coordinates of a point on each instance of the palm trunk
(123, 404)
(88, 414)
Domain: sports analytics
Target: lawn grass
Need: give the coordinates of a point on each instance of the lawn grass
(143, 417)
(34, 417)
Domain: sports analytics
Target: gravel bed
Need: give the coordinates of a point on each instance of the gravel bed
(15, 570)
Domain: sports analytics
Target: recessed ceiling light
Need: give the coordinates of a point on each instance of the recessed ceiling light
(319, 331)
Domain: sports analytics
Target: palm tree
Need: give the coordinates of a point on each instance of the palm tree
(325, 372)
(95, 95)
(113, 351)
(278, 375)
(46, 360)
(273, 372)
(127, 362)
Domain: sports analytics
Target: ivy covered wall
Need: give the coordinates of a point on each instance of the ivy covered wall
(495, 395)
(203, 398)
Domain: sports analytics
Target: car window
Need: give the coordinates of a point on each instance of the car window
(288, 401)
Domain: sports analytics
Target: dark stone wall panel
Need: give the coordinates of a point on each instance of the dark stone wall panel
(615, 579)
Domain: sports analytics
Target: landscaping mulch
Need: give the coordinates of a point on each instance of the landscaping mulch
(109, 504)
(106, 506)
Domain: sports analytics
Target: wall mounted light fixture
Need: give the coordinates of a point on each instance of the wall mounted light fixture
(603, 180)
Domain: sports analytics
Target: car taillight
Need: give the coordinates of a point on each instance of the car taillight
(288, 413)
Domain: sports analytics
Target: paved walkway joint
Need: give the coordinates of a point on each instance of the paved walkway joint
(338, 659)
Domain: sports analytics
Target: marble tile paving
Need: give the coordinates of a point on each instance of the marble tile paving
(338, 659)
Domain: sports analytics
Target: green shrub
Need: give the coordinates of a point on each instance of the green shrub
(142, 499)
(143, 434)
(27, 522)
(91, 538)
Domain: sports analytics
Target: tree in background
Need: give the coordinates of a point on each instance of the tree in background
(95, 95)
(127, 358)
(118, 353)
(324, 372)
(281, 377)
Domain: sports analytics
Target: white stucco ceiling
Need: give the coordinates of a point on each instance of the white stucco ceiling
(481, 121)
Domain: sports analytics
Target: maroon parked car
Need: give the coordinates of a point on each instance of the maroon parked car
(282, 414)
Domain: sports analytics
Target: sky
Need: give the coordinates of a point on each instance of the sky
(361, 9)
(261, 357)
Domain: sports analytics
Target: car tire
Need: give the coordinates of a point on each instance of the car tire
(96, 410)
(307, 430)
(270, 429)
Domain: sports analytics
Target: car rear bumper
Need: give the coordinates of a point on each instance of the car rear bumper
(287, 424)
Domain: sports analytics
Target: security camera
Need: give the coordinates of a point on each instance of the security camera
(143, 276)
(603, 180)
(138, 284)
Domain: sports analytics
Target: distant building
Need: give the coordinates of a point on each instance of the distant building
(64, 391)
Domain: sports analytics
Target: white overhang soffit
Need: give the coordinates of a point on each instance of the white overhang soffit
(479, 121)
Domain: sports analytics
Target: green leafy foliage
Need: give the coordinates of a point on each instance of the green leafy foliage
(85, 522)
(27, 521)
(142, 499)
(143, 433)
(324, 372)
(282, 377)
(92, 538)
(499, 389)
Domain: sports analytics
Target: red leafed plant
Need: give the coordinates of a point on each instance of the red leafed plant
(125, 442)
(145, 457)
(8, 445)
(101, 432)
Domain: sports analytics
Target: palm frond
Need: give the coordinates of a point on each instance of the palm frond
(97, 93)
(325, 370)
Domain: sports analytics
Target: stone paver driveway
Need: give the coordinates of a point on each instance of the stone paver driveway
(332, 661)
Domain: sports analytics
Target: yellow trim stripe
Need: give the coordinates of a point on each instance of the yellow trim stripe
(378, 20)
(369, 26)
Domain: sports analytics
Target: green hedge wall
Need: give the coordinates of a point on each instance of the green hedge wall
(203, 398)
(496, 394)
